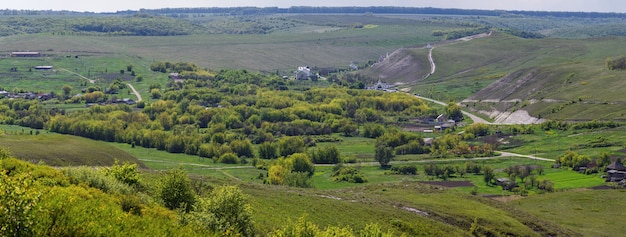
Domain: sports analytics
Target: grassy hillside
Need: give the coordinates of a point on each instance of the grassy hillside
(60, 150)
(409, 207)
(551, 78)
(586, 211)
(567, 78)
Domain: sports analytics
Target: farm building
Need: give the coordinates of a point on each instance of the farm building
(44, 67)
(616, 171)
(506, 183)
(25, 54)
(381, 86)
(176, 77)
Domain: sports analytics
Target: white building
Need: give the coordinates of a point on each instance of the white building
(303, 73)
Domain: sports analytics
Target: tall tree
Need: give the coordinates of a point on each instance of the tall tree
(175, 190)
(489, 175)
(384, 154)
(453, 111)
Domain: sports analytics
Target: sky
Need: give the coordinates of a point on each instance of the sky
(117, 5)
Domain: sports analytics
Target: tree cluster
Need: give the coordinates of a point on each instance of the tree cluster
(295, 170)
(348, 174)
(616, 63)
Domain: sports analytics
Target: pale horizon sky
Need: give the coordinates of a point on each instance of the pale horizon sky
(120, 5)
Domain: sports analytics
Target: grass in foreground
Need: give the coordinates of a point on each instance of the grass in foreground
(589, 212)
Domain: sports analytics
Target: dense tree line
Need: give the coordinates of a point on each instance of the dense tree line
(379, 10)
(326, 10)
(457, 34)
(140, 25)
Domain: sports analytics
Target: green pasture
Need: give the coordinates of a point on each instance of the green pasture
(28, 78)
(359, 148)
(553, 144)
(100, 67)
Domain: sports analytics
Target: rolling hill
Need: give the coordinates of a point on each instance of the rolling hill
(60, 150)
(561, 79)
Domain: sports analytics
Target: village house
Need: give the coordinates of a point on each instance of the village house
(127, 101)
(303, 73)
(444, 123)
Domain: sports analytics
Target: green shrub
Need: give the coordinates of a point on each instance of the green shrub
(347, 174)
(225, 211)
(326, 155)
(4, 153)
(301, 162)
(131, 204)
(413, 147)
(350, 160)
(268, 150)
(175, 190)
(95, 178)
(229, 158)
(18, 205)
(298, 179)
(303, 227)
(372, 130)
(126, 173)
(290, 145)
(405, 169)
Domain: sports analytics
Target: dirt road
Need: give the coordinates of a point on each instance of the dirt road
(134, 91)
(81, 76)
(433, 66)
(474, 117)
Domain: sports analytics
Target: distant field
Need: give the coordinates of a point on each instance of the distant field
(282, 51)
(103, 68)
(553, 144)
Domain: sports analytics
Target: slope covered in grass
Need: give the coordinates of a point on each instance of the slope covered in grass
(407, 207)
(589, 212)
(60, 150)
(561, 79)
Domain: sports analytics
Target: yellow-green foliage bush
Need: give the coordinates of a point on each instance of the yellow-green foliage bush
(18, 204)
(225, 211)
(37, 200)
(303, 227)
(95, 178)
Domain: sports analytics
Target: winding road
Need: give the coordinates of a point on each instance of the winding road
(433, 66)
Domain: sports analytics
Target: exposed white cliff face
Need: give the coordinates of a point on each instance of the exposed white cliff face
(517, 117)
